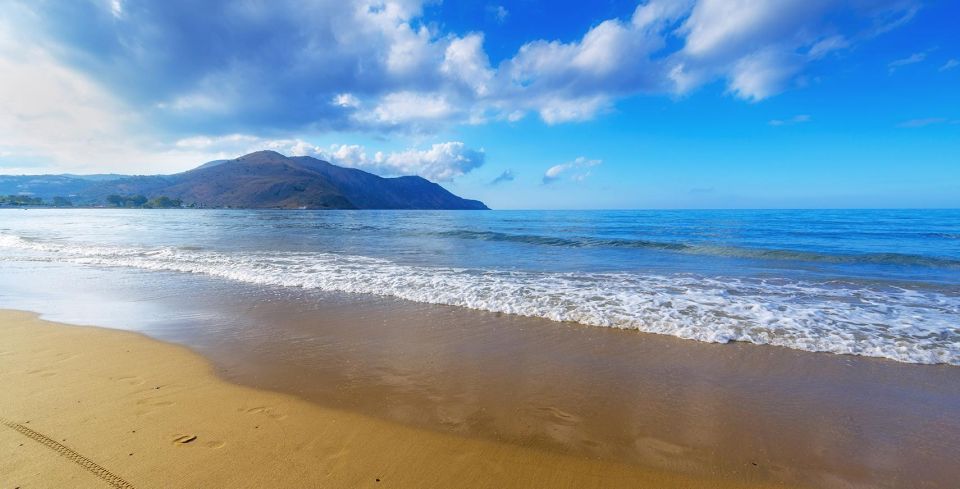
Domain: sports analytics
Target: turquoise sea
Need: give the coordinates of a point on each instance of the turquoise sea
(883, 283)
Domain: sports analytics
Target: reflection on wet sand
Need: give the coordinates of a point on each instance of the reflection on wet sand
(739, 411)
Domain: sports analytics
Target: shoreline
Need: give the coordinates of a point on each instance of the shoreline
(153, 414)
(741, 413)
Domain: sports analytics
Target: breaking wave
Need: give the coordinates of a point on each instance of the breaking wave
(899, 323)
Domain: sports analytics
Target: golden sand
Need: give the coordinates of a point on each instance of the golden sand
(91, 407)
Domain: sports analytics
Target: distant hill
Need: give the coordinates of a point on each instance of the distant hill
(261, 180)
(43, 186)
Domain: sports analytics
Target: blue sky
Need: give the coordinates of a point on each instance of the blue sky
(526, 104)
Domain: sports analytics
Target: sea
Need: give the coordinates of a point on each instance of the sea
(879, 283)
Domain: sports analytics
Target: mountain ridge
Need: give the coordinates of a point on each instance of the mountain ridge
(259, 180)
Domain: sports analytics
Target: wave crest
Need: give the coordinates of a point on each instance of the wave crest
(906, 325)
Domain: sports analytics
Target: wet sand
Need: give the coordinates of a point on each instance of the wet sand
(735, 414)
(90, 407)
(736, 411)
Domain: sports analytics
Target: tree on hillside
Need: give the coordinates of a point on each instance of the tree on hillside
(21, 200)
(138, 201)
(163, 202)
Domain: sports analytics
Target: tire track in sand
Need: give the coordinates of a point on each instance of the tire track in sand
(91, 466)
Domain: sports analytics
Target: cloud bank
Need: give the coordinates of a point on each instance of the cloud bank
(440, 162)
(176, 70)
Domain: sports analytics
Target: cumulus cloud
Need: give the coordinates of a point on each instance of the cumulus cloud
(574, 81)
(290, 67)
(466, 64)
(578, 169)
(410, 107)
(440, 162)
(762, 74)
(506, 176)
(54, 118)
(346, 100)
(276, 63)
(760, 46)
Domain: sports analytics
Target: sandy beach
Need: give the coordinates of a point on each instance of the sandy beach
(90, 407)
(638, 244)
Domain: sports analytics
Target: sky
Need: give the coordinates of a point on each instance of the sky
(522, 104)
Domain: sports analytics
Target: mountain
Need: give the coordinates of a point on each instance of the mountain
(261, 180)
(43, 186)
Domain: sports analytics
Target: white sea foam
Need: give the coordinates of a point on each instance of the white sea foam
(907, 325)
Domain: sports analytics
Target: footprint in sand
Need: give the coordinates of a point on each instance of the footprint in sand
(132, 380)
(266, 411)
(559, 415)
(184, 439)
(192, 440)
(63, 357)
(42, 372)
(154, 402)
(150, 404)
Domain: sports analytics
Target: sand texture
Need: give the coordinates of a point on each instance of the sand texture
(90, 407)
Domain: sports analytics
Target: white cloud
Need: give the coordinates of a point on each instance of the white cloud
(762, 74)
(116, 7)
(231, 143)
(728, 29)
(385, 55)
(62, 116)
(440, 162)
(909, 60)
(346, 100)
(655, 14)
(950, 64)
(410, 51)
(410, 107)
(828, 45)
(64, 119)
(580, 166)
(754, 44)
(498, 12)
(114, 87)
(557, 110)
(575, 81)
(465, 61)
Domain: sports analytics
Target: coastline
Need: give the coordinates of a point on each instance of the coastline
(152, 414)
(640, 403)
